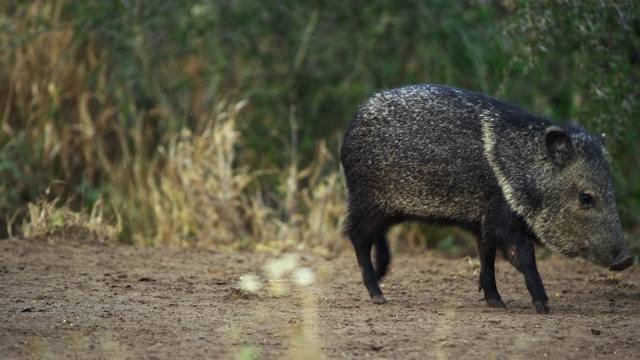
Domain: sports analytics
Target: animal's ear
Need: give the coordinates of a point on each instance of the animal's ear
(559, 146)
(603, 139)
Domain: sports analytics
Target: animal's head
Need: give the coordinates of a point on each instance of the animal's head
(578, 216)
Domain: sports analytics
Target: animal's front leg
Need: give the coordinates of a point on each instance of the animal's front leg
(521, 254)
(511, 234)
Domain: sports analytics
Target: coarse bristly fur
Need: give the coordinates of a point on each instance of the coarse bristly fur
(442, 155)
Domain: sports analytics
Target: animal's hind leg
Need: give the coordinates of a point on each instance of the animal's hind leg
(487, 253)
(368, 274)
(362, 239)
(383, 256)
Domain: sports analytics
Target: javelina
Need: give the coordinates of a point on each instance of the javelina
(443, 155)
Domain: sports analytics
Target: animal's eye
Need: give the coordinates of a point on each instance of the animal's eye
(586, 200)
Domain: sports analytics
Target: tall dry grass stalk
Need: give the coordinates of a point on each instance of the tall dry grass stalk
(199, 197)
(56, 119)
(323, 199)
(49, 75)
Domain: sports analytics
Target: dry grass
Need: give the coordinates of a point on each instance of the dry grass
(193, 195)
(199, 197)
(47, 90)
(48, 217)
(54, 127)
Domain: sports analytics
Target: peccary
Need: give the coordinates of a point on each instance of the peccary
(442, 155)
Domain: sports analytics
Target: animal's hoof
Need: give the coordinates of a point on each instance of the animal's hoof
(379, 300)
(541, 307)
(496, 303)
(622, 262)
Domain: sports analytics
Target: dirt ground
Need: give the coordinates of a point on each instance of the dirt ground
(74, 297)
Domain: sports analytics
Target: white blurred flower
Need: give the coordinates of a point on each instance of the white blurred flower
(304, 276)
(250, 283)
(280, 267)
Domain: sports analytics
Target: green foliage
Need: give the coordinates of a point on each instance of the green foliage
(584, 59)
(92, 92)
